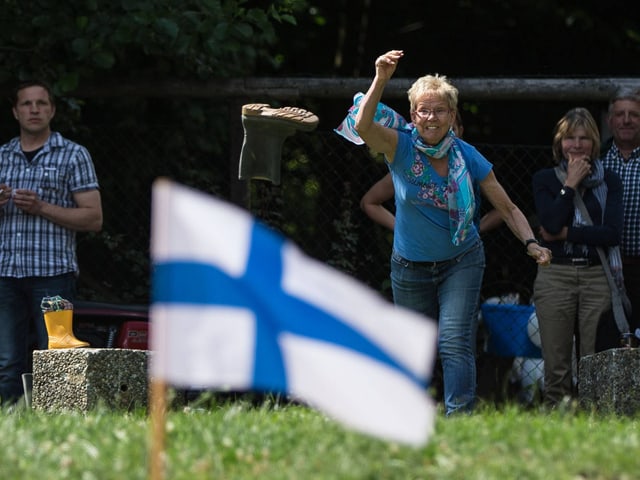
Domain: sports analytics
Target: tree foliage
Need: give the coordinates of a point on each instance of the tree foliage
(77, 41)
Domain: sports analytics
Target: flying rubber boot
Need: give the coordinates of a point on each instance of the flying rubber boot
(265, 130)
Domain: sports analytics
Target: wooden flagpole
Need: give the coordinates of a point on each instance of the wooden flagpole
(161, 192)
(158, 407)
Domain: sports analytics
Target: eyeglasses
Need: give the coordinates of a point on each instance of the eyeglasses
(437, 112)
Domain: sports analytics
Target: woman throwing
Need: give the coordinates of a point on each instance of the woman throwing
(438, 261)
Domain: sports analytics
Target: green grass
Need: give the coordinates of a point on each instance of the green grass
(240, 441)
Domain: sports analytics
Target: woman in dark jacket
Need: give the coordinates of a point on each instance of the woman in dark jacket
(573, 293)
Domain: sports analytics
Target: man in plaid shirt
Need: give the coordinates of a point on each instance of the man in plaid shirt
(48, 192)
(623, 157)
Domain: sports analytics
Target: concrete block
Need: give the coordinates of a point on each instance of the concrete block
(609, 381)
(81, 379)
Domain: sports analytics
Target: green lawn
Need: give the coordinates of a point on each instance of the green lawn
(240, 441)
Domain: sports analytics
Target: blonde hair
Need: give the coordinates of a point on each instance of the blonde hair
(437, 85)
(575, 118)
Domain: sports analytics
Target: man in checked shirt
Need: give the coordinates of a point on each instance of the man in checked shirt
(623, 157)
(49, 191)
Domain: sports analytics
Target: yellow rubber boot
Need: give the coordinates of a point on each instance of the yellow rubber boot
(60, 330)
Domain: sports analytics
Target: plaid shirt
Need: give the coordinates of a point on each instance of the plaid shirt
(30, 245)
(629, 172)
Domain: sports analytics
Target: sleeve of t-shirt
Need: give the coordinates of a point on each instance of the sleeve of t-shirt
(404, 152)
(478, 166)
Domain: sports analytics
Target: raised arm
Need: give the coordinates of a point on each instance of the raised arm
(378, 138)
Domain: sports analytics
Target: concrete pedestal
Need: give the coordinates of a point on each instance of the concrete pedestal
(609, 381)
(84, 378)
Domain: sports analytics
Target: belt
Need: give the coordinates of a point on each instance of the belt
(575, 262)
(437, 264)
(413, 264)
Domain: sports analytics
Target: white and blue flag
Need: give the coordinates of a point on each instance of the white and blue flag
(236, 306)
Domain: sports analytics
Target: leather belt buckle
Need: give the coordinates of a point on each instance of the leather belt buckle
(580, 262)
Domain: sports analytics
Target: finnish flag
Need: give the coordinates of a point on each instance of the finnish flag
(236, 306)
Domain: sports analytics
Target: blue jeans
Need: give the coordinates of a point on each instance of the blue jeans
(448, 291)
(22, 327)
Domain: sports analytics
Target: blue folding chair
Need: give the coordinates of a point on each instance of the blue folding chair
(510, 329)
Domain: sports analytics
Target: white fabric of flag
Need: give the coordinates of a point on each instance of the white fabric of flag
(237, 306)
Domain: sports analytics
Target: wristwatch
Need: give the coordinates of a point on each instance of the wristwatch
(563, 192)
(530, 241)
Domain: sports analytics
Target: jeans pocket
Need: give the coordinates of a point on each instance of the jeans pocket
(400, 260)
(473, 249)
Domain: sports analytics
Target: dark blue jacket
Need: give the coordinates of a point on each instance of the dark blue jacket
(556, 211)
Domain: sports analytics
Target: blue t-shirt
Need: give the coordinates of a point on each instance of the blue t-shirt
(422, 232)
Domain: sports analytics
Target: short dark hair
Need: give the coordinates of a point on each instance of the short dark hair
(32, 83)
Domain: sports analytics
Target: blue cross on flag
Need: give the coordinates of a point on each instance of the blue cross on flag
(238, 307)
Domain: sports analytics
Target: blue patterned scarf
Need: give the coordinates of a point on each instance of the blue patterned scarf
(460, 198)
